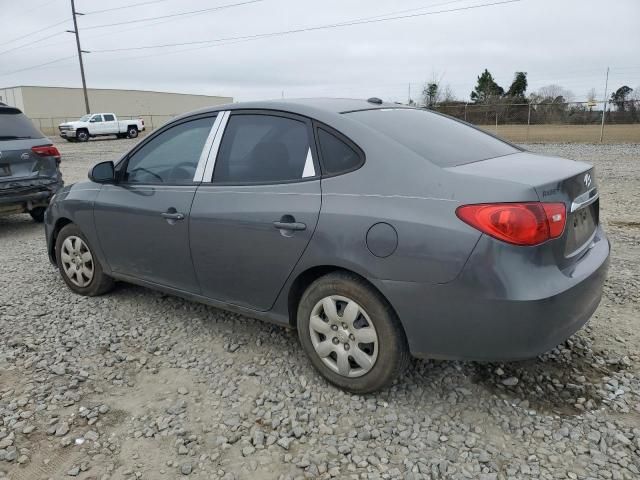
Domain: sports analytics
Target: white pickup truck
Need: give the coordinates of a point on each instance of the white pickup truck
(100, 124)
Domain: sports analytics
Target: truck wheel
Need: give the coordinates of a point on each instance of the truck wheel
(82, 136)
(132, 132)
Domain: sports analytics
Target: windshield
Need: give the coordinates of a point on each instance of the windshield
(14, 125)
(440, 139)
(84, 118)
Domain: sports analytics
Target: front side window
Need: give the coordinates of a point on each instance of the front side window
(109, 118)
(97, 119)
(264, 149)
(172, 156)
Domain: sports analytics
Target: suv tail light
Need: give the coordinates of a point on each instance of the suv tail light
(528, 223)
(47, 151)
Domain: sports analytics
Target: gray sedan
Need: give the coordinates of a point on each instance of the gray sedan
(379, 231)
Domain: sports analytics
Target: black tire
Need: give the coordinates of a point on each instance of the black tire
(38, 214)
(393, 352)
(100, 283)
(132, 132)
(82, 135)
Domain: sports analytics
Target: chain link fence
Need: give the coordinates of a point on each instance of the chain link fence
(519, 122)
(552, 122)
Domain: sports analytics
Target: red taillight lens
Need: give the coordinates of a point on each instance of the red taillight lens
(529, 223)
(47, 151)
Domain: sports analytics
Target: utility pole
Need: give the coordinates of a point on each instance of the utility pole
(80, 52)
(604, 105)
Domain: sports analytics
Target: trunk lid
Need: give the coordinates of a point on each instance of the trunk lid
(553, 179)
(21, 168)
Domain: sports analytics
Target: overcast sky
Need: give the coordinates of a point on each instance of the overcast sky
(567, 42)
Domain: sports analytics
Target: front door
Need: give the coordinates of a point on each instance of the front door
(251, 221)
(143, 220)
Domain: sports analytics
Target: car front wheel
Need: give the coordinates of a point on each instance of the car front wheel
(78, 265)
(351, 334)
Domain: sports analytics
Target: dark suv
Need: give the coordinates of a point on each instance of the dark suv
(29, 166)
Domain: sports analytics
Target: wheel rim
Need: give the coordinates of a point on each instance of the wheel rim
(343, 336)
(82, 136)
(133, 132)
(77, 261)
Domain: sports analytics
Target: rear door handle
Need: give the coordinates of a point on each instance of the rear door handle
(173, 215)
(289, 226)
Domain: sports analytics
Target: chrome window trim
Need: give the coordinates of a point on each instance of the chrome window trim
(206, 149)
(587, 198)
(207, 175)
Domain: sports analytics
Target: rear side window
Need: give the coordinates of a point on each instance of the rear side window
(14, 125)
(439, 139)
(264, 149)
(109, 118)
(337, 155)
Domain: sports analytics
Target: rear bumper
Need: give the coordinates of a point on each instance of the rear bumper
(499, 310)
(24, 199)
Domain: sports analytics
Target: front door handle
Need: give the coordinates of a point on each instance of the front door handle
(172, 215)
(290, 226)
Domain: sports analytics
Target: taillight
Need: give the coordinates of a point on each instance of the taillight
(528, 223)
(47, 151)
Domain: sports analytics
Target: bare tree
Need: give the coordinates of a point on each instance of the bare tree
(553, 94)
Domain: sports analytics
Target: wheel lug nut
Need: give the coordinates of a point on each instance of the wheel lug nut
(335, 340)
(334, 327)
(344, 325)
(346, 346)
(351, 337)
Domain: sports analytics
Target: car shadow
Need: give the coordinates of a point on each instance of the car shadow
(12, 225)
(569, 380)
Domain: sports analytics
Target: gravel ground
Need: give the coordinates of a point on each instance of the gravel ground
(137, 384)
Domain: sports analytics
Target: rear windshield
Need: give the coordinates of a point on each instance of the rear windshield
(14, 125)
(439, 139)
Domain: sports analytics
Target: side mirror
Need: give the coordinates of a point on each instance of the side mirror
(103, 172)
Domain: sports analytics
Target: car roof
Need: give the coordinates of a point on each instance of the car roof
(311, 107)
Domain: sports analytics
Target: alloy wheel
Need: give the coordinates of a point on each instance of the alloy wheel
(343, 336)
(77, 261)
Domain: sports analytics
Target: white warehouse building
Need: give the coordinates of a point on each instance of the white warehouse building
(50, 106)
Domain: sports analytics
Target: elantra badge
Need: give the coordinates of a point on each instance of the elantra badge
(587, 180)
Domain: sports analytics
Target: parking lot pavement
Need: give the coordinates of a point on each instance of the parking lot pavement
(137, 384)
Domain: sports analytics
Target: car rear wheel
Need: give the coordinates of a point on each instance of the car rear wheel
(351, 334)
(37, 214)
(132, 132)
(78, 265)
(82, 136)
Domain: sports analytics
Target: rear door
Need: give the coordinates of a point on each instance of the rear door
(257, 208)
(110, 125)
(143, 220)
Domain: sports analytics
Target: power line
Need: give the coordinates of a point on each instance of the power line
(37, 66)
(173, 15)
(30, 43)
(125, 6)
(309, 29)
(36, 31)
